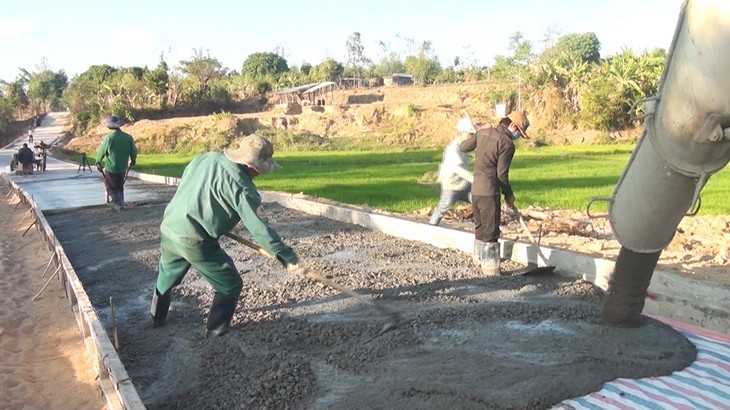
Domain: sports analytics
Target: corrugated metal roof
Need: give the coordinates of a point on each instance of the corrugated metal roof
(307, 88)
(298, 89)
(319, 86)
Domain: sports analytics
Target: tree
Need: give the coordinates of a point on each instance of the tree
(126, 90)
(306, 68)
(517, 65)
(45, 88)
(574, 47)
(424, 67)
(355, 57)
(329, 70)
(522, 55)
(619, 82)
(16, 95)
(389, 64)
(157, 82)
(202, 69)
(6, 113)
(550, 37)
(258, 65)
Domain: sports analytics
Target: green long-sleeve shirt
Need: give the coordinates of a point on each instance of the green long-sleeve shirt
(118, 148)
(214, 195)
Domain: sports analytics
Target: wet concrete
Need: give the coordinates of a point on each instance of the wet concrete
(466, 342)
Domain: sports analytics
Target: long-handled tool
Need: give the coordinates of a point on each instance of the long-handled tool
(100, 168)
(393, 316)
(533, 270)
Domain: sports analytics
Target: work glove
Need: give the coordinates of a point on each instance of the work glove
(297, 268)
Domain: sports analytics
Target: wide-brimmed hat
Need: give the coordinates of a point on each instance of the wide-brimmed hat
(519, 119)
(254, 151)
(113, 121)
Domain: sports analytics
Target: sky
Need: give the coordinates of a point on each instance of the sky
(76, 34)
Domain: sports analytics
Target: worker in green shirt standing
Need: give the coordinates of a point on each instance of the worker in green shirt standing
(215, 193)
(120, 153)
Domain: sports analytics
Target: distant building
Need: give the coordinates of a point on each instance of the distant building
(346, 83)
(310, 94)
(399, 79)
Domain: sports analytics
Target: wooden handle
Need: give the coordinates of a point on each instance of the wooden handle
(320, 278)
(248, 243)
(529, 234)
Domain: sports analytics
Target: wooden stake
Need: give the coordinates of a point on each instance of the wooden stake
(29, 226)
(114, 324)
(46, 285)
(48, 265)
(24, 216)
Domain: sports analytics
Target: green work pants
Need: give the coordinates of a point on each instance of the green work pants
(206, 257)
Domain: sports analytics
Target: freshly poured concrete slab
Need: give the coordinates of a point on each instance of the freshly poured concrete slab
(74, 192)
(64, 184)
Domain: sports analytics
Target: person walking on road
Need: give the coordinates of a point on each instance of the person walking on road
(25, 158)
(215, 193)
(454, 172)
(494, 149)
(120, 153)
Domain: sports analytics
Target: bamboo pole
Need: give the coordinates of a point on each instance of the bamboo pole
(46, 285)
(29, 226)
(114, 323)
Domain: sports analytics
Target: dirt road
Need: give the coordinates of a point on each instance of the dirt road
(43, 361)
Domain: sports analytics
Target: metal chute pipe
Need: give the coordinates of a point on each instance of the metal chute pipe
(685, 139)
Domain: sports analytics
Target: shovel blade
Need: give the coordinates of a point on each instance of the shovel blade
(534, 270)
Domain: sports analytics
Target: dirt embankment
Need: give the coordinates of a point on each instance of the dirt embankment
(15, 130)
(406, 116)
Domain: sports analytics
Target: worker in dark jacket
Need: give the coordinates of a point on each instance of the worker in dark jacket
(215, 193)
(494, 149)
(25, 158)
(120, 153)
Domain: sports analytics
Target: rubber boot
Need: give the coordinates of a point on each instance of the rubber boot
(160, 307)
(477, 255)
(490, 258)
(221, 313)
(116, 201)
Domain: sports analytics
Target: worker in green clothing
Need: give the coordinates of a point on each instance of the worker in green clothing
(215, 193)
(120, 153)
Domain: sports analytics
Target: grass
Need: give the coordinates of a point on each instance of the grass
(555, 177)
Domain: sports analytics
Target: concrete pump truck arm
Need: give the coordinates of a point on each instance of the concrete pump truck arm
(686, 139)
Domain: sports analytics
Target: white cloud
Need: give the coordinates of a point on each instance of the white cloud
(131, 39)
(12, 29)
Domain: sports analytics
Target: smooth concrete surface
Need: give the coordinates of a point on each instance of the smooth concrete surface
(63, 185)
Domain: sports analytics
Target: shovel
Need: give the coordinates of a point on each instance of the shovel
(531, 268)
(107, 197)
(393, 316)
